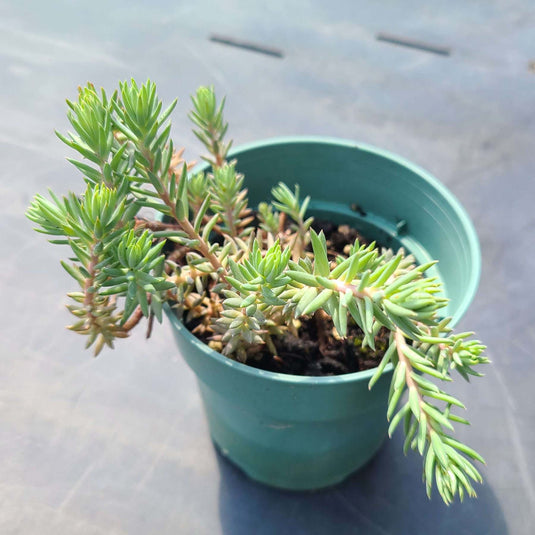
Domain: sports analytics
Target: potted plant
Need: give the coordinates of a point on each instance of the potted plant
(287, 322)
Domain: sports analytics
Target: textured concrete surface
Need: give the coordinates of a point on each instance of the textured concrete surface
(118, 444)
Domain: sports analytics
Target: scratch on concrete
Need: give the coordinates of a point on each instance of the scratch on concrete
(217, 73)
(74, 489)
(519, 453)
(26, 145)
(160, 452)
(351, 506)
(520, 458)
(504, 388)
(37, 52)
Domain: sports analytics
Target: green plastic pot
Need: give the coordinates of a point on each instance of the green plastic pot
(304, 433)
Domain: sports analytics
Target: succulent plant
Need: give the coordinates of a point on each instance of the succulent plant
(246, 278)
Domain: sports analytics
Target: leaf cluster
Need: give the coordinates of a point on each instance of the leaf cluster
(243, 278)
(207, 116)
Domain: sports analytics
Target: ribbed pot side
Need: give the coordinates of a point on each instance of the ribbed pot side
(306, 433)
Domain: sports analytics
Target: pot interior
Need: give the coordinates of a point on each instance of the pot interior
(386, 198)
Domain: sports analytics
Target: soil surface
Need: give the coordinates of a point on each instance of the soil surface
(317, 351)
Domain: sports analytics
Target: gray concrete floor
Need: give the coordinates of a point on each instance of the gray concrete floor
(118, 444)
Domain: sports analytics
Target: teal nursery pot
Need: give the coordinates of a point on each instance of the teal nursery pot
(305, 433)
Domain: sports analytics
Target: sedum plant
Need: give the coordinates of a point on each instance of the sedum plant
(244, 279)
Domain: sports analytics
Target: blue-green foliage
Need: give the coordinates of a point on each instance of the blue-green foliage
(244, 284)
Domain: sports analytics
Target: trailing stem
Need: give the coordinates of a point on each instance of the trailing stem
(256, 283)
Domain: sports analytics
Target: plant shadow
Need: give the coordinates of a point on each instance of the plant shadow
(384, 497)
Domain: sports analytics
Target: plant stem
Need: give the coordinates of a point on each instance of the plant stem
(320, 317)
(219, 160)
(282, 222)
(400, 342)
(231, 225)
(271, 345)
(203, 246)
(134, 319)
(89, 299)
(93, 261)
(188, 228)
(359, 294)
(155, 226)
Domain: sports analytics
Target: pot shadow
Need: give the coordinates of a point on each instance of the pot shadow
(384, 497)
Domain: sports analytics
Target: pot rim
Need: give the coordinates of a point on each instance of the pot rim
(426, 176)
(244, 369)
(473, 241)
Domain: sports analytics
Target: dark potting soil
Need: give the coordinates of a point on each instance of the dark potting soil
(317, 352)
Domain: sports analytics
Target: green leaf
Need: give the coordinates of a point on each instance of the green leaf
(438, 448)
(410, 432)
(114, 290)
(319, 245)
(210, 226)
(428, 370)
(399, 375)
(414, 402)
(399, 282)
(353, 308)
(415, 356)
(318, 302)
(398, 310)
(341, 268)
(74, 272)
(388, 271)
(464, 481)
(90, 172)
(129, 306)
(422, 433)
(429, 469)
(384, 361)
(201, 213)
(304, 278)
(431, 388)
(445, 397)
(382, 317)
(270, 298)
(397, 418)
(163, 117)
(458, 419)
(182, 195)
(464, 448)
(364, 281)
(341, 323)
(406, 325)
(352, 271)
(306, 298)
(328, 283)
(392, 404)
(368, 308)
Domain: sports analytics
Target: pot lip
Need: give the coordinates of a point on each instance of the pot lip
(474, 248)
(471, 235)
(257, 373)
